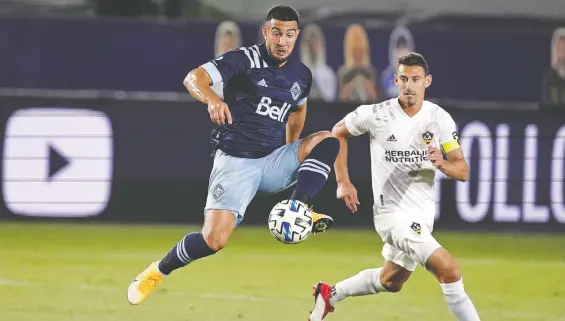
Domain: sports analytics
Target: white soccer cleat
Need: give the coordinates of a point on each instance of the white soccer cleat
(322, 304)
(144, 283)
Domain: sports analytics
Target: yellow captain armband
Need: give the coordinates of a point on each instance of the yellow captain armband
(450, 145)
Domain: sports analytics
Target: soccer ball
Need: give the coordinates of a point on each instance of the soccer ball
(290, 222)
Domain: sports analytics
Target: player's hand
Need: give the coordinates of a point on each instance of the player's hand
(219, 112)
(347, 192)
(435, 156)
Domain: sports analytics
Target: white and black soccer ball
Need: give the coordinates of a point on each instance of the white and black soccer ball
(290, 222)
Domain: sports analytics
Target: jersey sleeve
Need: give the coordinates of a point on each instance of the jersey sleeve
(307, 89)
(360, 120)
(448, 135)
(228, 65)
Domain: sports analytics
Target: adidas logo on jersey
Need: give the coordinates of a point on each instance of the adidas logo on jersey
(262, 83)
(391, 138)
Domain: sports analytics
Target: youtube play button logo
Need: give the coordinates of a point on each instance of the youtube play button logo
(57, 162)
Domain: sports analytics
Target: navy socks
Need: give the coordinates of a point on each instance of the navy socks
(190, 248)
(314, 171)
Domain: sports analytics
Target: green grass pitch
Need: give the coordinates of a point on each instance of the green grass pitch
(63, 272)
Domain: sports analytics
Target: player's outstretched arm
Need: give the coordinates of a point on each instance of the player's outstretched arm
(341, 132)
(198, 83)
(345, 189)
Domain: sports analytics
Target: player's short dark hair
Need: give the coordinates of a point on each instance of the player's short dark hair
(414, 59)
(283, 13)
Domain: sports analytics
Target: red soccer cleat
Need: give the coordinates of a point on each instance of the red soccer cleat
(322, 306)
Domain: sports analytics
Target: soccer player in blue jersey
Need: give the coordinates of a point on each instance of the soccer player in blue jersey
(258, 145)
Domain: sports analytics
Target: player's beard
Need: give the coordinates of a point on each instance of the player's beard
(409, 101)
(275, 58)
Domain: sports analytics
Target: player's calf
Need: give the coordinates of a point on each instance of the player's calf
(393, 276)
(190, 248)
(388, 278)
(326, 296)
(218, 226)
(217, 229)
(363, 283)
(444, 267)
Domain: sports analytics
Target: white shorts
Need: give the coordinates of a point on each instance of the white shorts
(408, 238)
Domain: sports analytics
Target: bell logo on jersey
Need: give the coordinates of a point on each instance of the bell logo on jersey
(274, 112)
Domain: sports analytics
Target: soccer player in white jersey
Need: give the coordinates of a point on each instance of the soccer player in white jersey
(406, 134)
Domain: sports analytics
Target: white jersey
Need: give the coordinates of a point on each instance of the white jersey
(402, 175)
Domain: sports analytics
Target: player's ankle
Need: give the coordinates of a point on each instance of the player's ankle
(159, 269)
(300, 196)
(335, 297)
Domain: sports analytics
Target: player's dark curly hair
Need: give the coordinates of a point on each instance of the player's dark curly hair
(283, 13)
(414, 59)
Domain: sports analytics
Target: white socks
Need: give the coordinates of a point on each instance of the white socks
(459, 302)
(368, 282)
(364, 283)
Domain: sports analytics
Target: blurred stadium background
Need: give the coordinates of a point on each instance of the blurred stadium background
(105, 157)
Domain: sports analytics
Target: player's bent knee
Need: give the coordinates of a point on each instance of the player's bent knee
(324, 134)
(393, 276)
(318, 136)
(452, 273)
(393, 286)
(218, 226)
(215, 241)
(443, 266)
(215, 244)
(322, 142)
(321, 134)
(313, 140)
(328, 139)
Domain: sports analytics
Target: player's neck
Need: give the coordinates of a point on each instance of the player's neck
(411, 111)
(279, 63)
(271, 58)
